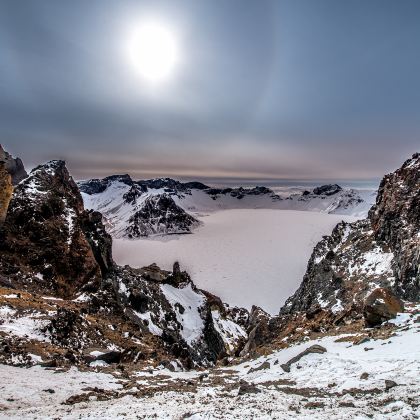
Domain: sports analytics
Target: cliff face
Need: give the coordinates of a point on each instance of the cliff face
(50, 245)
(48, 232)
(14, 166)
(6, 190)
(395, 220)
(379, 252)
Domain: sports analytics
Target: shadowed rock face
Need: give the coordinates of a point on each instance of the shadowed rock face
(48, 232)
(14, 166)
(329, 189)
(381, 305)
(6, 190)
(160, 215)
(395, 219)
(382, 251)
(50, 245)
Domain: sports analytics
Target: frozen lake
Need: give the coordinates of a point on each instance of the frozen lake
(245, 257)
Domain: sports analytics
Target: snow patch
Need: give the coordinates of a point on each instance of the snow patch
(191, 302)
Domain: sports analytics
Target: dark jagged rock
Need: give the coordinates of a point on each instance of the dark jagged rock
(14, 166)
(159, 215)
(381, 251)
(380, 306)
(247, 388)
(48, 232)
(329, 189)
(258, 326)
(241, 192)
(134, 193)
(6, 190)
(316, 348)
(195, 185)
(96, 186)
(51, 246)
(395, 220)
(177, 312)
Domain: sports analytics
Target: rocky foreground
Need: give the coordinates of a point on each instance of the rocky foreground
(91, 338)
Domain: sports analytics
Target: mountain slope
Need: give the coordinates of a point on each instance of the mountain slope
(14, 166)
(61, 292)
(48, 232)
(382, 251)
(133, 209)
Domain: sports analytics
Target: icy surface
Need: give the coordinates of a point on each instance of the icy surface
(245, 257)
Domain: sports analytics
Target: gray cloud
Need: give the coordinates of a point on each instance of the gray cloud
(268, 89)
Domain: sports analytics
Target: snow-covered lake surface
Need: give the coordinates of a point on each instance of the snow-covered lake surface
(245, 257)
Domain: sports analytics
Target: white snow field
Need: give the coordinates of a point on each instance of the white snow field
(245, 256)
(319, 386)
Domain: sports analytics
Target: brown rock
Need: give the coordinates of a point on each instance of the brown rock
(247, 388)
(6, 190)
(262, 366)
(316, 348)
(380, 306)
(390, 384)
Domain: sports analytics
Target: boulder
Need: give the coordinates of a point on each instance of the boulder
(247, 388)
(316, 348)
(390, 384)
(380, 306)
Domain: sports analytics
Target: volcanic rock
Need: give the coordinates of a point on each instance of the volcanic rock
(6, 190)
(381, 251)
(316, 348)
(14, 166)
(48, 232)
(380, 306)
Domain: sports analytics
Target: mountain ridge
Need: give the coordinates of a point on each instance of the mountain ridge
(119, 198)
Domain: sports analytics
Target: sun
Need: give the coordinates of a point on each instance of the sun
(153, 51)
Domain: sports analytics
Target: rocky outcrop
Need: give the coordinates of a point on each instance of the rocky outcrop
(382, 251)
(50, 245)
(395, 220)
(329, 189)
(316, 349)
(6, 190)
(380, 306)
(48, 233)
(14, 166)
(241, 192)
(159, 215)
(190, 325)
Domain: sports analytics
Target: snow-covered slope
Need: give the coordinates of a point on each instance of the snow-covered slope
(131, 210)
(165, 206)
(378, 379)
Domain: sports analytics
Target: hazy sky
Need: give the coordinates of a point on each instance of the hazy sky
(305, 89)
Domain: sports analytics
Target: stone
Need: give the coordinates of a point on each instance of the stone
(380, 306)
(316, 348)
(364, 376)
(247, 388)
(262, 366)
(390, 384)
(14, 166)
(6, 191)
(362, 341)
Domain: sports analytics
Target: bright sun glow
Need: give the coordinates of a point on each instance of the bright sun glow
(153, 51)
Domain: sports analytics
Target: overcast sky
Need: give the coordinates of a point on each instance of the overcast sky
(288, 89)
